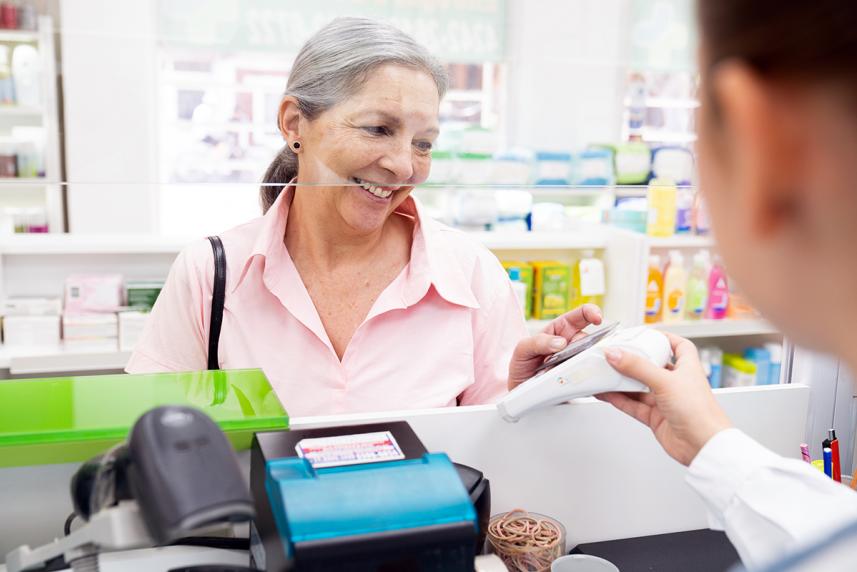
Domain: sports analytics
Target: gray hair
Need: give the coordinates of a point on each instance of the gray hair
(331, 66)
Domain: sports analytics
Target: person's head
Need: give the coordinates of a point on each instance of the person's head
(778, 158)
(360, 108)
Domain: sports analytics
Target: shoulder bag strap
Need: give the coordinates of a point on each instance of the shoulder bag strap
(217, 299)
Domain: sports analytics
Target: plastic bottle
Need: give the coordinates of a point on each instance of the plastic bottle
(718, 292)
(519, 288)
(701, 221)
(675, 284)
(697, 286)
(588, 280)
(762, 358)
(715, 360)
(636, 104)
(776, 353)
(684, 211)
(662, 208)
(654, 291)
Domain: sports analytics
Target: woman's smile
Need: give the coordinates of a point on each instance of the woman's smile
(376, 190)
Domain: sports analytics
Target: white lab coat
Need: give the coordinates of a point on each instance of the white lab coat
(771, 507)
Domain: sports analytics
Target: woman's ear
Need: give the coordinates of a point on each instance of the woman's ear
(762, 124)
(289, 119)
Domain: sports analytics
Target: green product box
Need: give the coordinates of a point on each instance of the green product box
(526, 276)
(142, 294)
(552, 281)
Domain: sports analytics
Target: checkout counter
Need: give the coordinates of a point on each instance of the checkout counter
(598, 472)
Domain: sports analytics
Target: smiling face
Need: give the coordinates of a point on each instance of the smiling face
(367, 152)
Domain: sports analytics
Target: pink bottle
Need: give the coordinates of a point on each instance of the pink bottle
(718, 292)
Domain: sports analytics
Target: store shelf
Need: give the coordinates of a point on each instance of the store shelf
(24, 361)
(23, 182)
(17, 111)
(582, 240)
(59, 243)
(718, 328)
(682, 241)
(18, 36)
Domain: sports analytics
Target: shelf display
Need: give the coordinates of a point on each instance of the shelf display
(31, 199)
(601, 259)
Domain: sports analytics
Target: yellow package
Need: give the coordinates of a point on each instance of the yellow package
(551, 282)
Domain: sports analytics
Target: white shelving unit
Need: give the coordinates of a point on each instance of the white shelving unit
(719, 328)
(36, 265)
(44, 192)
(47, 361)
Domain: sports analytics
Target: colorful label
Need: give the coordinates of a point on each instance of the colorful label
(675, 302)
(350, 449)
(552, 289)
(653, 300)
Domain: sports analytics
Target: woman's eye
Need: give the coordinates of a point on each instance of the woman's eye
(376, 130)
(423, 146)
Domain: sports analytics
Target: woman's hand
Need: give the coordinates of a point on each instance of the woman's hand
(680, 410)
(530, 352)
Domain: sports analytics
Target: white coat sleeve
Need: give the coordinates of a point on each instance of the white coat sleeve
(768, 505)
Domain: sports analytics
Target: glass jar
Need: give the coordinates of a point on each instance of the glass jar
(525, 541)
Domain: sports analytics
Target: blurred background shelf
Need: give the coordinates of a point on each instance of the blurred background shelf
(682, 241)
(47, 361)
(718, 328)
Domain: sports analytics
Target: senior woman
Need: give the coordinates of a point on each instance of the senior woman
(345, 293)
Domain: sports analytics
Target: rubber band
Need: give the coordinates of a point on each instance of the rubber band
(526, 542)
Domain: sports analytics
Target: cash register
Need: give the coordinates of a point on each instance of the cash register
(366, 497)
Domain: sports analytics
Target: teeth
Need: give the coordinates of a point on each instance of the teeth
(377, 191)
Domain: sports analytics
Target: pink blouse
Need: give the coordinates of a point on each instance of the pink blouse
(441, 333)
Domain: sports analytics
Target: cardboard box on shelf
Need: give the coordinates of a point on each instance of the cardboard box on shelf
(30, 306)
(131, 324)
(551, 289)
(33, 331)
(90, 331)
(93, 293)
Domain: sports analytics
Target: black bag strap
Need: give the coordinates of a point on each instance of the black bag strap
(217, 298)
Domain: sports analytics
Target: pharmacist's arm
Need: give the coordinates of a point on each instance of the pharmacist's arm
(174, 338)
(768, 505)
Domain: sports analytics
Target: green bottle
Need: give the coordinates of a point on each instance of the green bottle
(697, 286)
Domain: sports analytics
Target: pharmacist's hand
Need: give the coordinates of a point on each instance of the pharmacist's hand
(531, 352)
(680, 409)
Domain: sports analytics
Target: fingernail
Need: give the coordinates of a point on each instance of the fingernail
(613, 355)
(558, 343)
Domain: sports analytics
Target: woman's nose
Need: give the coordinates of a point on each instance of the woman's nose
(399, 161)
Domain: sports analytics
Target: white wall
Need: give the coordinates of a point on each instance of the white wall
(566, 72)
(108, 78)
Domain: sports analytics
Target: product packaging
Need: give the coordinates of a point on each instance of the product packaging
(588, 281)
(551, 289)
(675, 284)
(90, 331)
(697, 286)
(662, 196)
(131, 324)
(32, 331)
(141, 294)
(525, 276)
(633, 163)
(553, 168)
(738, 372)
(93, 293)
(654, 291)
(762, 358)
